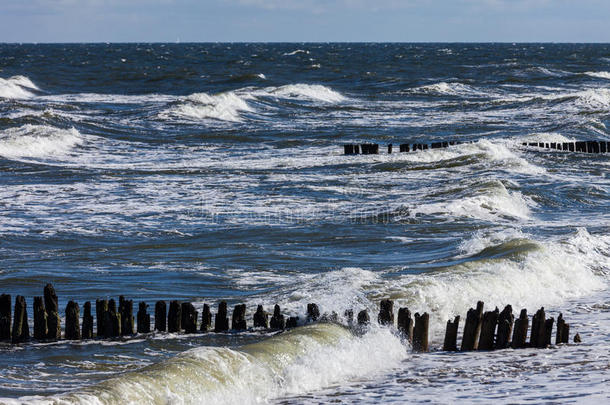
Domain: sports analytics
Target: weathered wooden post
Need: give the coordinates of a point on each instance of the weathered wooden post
(488, 329)
(537, 335)
(450, 343)
(87, 321)
(160, 316)
(563, 331)
(206, 318)
(389, 148)
(190, 320)
(21, 329)
(292, 322)
(52, 308)
(184, 313)
(349, 317)
(143, 318)
(72, 321)
(174, 317)
(261, 318)
(348, 149)
(222, 321)
(472, 328)
(505, 327)
(520, 331)
(577, 338)
(313, 312)
(420, 332)
(40, 319)
(126, 311)
(112, 320)
(363, 318)
(101, 307)
(5, 317)
(548, 332)
(386, 312)
(277, 320)
(405, 323)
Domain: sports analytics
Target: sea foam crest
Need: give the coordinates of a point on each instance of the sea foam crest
(17, 87)
(226, 106)
(37, 141)
(599, 75)
(444, 88)
(315, 92)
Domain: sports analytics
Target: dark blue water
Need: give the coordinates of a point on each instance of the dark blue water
(208, 172)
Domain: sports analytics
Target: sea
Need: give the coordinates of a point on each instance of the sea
(215, 172)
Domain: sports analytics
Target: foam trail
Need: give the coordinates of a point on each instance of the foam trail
(223, 106)
(294, 362)
(17, 87)
(38, 141)
(599, 75)
(314, 92)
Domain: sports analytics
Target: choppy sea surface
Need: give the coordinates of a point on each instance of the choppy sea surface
(210, 172)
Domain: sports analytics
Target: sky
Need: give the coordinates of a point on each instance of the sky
(304, 21)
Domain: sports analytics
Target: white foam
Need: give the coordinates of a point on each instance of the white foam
(17, 87)
(314, 92)
(600, 75)
(36, 141)
(223, 106)
(444, 88)
(295, 52)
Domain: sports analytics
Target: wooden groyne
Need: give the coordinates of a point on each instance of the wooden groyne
(575, 146)
(482, 330)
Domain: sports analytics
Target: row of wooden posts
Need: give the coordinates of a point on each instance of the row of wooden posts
(580, 146)
(482, 330)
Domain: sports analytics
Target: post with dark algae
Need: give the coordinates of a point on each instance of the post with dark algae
(505, 327)
(260, 318)
(563, 331)
(292, 322)
(313, 312)
(363, 318)
(537, 334)
(520, 331)
(420, 332)
(101, 307)
(488, 329)
(386, 312)
(21, 329)
(472, 328)
(206, 318)
(5, 317)
(222, 321)
(53, 321)
(87, 321)
(72, 321)
(160, 316)
(190, 318)
(277, 320)
(126, 311)
(143, 318)
(450, 342)
(238, 321)
(548, 332)
(112, 320)
(174, 317)
(40, 319)
(405, 323)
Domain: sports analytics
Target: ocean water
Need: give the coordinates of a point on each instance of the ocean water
(210, 172)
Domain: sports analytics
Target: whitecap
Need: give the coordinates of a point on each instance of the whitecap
(38, 141)
(17, 87)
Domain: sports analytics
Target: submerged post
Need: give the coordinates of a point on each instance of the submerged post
(472, 328)
(40, 319)
(363, 318)
(72, 321)
(160, 316)
(450, 342)
(143, 318)
(277, 320)
(520, 331)
(126, 311)
(222, 321)
(488, 329)
(537, 335)
(101, 307)
(174, 317)
(405, 323)
(52, 308)
(87, 332)
(420, 332)
(21, 329)
(386, 312)
(260, 318)
(206, 318)
(190, 318)
(5, 317)
(313, 312)
(505, 327)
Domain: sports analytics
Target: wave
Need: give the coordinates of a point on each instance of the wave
(17, 87)
(295, 52)
(223, 106)
(314, 92)
(294, 362)
(38, 141)
(600, 75)
(444, 88)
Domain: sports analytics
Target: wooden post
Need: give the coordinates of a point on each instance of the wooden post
(348, 149)
(277, 320)
(72, 321)
(174, 317)
(565, 335)
(52, 308)
(101, 307)
(184, 313)
(505, 327)
(222, 322)
(560, 329)
(420, 332)
(313, 312)
(21, 329)
(126, 311)
(405, 323)
(143, 318)
(577, 338)
(292, 322)
(161, 316)
(87, 321)
(349, 317)
(363, 317)
(261, 318)
(520, 331)
(548, 332)
(472, 328)
(389, 148)
(537, 335)
(190, 320)
(40, 319)
(206, 318)
(112, 320)
(5, 317)
(450, 343)
(386, 312)
(488, 329)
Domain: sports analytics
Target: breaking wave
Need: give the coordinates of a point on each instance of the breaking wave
(38, 141)
(17, 87)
